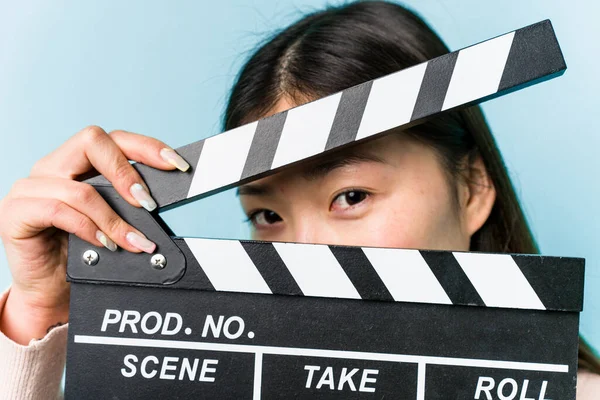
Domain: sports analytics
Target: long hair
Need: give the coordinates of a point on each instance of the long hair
(339, 47)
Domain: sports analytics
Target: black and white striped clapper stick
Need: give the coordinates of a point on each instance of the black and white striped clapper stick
(399, 100)
(230, 319)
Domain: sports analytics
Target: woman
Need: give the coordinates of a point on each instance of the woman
(441, 185)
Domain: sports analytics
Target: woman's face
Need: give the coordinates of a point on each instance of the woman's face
(390, 192)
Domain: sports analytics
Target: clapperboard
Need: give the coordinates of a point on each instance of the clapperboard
(235, 319)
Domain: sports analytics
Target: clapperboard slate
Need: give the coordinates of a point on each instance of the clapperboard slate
(229, 319)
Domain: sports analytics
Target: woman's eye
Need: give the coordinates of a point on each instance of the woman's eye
(264, 217)
(348, 199)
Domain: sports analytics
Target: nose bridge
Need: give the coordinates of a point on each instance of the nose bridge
(310, 228)
(303, 230)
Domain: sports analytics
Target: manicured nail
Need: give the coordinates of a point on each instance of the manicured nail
(140, 242)
(142, 196)
(170, 156)
(105, 240)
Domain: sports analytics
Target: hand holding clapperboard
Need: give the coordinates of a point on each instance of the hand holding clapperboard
(230, 319)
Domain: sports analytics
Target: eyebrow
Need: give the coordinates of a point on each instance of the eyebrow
(317, 171)
(254, 190)
(321, 169)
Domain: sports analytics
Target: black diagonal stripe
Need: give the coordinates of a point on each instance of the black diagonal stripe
(272, 268)
(195, 277)
(348, 115)
(534, 52)
(452, 278)
(361, 273)
(264, 144)
(557, 281)
(434, 86)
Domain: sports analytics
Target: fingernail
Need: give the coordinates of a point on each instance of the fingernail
(142, 196)
(170, 156)
(140, 242)
(105, 240)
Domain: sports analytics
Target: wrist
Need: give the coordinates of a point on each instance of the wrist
(25, 318)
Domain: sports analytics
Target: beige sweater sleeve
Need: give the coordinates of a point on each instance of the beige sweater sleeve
(32, 372)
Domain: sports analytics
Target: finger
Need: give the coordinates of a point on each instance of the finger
(69, 160)
(86, 200)
(28, 217)
(94, 148)
(144, 149)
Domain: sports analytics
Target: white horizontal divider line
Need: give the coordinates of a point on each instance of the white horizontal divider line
(294, 351)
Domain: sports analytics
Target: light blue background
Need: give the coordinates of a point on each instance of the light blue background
(164, 69)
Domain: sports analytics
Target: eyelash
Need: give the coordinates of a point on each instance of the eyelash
(348, 191)
(253, 215)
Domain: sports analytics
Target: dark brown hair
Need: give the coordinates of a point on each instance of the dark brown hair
(330, 50)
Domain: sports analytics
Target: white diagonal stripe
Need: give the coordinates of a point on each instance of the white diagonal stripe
(391, 101)
(406, 275)
(499, 280)
(227, 265)
(306, 130)
(222, 159)
(316, 270)
(478, 71)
